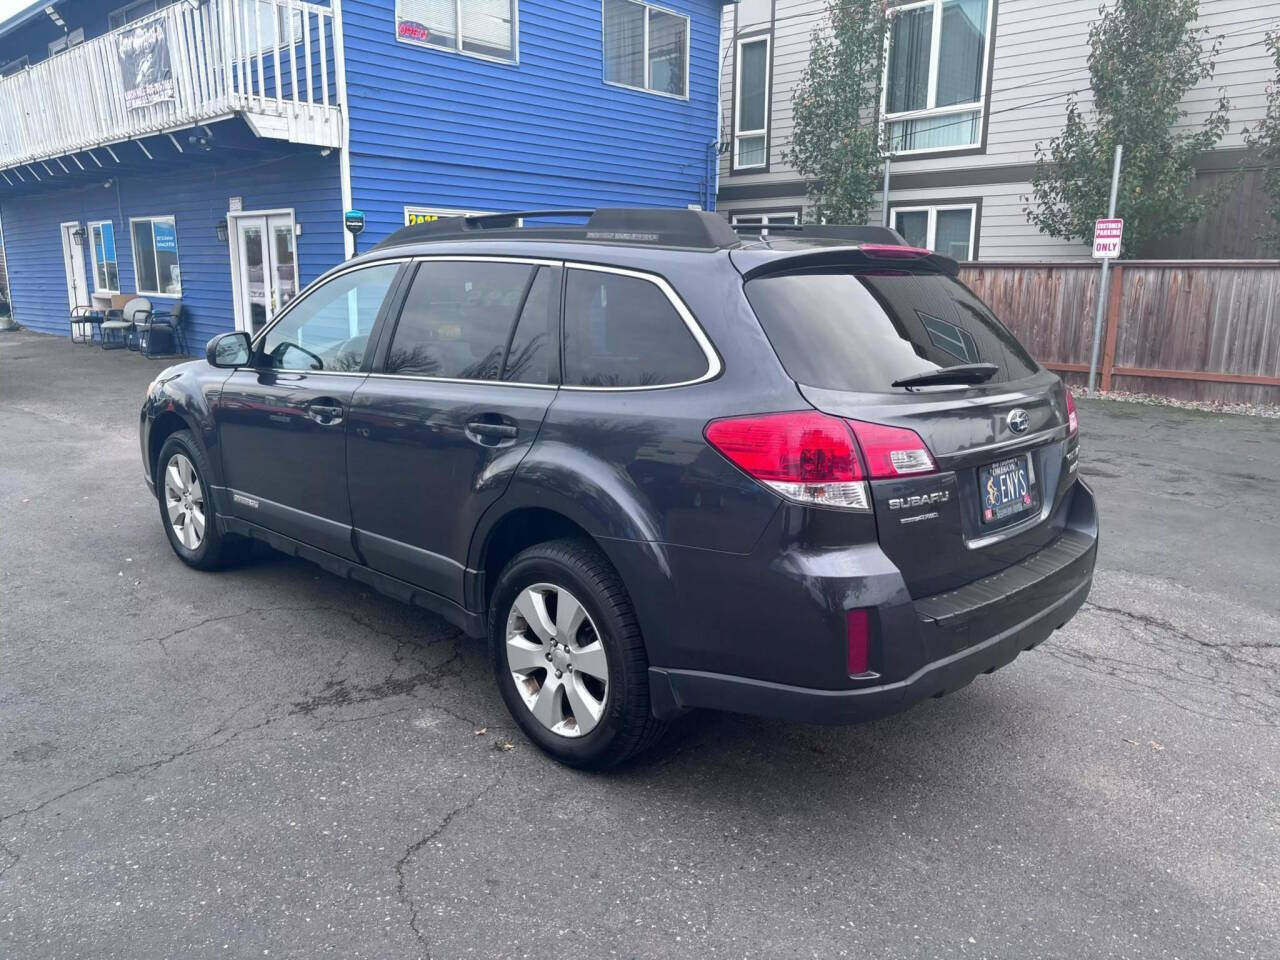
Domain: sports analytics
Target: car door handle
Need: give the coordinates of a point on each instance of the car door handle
(487, 433)
(325, 410)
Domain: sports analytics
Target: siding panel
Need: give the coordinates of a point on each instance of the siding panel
(459, 132)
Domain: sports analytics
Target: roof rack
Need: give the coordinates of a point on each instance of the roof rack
(826, 231)
(697, 229)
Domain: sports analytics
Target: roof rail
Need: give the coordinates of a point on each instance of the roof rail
(664, 227)
(851, 233)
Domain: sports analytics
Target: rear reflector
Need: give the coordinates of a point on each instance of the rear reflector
(892, 451)
(805, 456)
(1073, 422)
(859, 641)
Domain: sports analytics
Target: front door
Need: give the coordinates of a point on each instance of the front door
(282, 422)
(73, 265)
(453, 406)
(266, 267)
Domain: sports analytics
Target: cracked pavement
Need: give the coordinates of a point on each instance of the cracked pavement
(275, 762)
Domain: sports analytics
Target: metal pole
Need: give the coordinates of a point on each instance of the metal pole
(886, 189)
(1106, 276)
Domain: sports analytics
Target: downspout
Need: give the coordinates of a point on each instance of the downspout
(344, 148)
(713, 178)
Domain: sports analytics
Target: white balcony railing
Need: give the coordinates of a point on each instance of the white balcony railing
(270, 61)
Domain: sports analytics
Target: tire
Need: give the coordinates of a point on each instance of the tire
(624, 725)
(204, 547)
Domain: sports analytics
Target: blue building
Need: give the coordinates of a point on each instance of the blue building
(203, 151)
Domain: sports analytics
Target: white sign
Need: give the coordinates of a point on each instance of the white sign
(414, 215)
(235, 204)
(1107, 235)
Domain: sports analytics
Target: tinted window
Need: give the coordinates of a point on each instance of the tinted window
(532, 353)
(622, 331)
(458, 317)
(848, 330)
(329, 328)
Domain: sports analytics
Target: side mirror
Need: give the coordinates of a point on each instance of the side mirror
(229, 350)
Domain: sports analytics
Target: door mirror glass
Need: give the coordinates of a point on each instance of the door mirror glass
(229, 350)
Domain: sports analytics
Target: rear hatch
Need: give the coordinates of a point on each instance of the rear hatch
(847, 328)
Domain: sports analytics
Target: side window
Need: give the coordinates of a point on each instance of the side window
(622, 331)
(458, 318)
(531, 358)
(329, 328)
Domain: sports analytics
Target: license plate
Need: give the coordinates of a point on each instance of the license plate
(1007, 488)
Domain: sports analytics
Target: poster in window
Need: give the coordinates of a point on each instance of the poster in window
(145, 69)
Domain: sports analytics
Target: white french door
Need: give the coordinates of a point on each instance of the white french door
(264, 265)
(73, 265)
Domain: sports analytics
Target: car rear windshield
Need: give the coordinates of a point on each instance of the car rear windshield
(862, 329)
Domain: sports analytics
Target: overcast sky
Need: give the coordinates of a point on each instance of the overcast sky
(9, 7)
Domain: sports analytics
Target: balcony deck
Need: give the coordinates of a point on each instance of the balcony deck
(269, 61)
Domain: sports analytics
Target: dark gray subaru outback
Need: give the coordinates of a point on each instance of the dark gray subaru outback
(806, 474)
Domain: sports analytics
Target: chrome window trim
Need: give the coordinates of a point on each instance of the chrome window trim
(481, 383)
(714, 366)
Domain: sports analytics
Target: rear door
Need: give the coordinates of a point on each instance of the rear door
(457, 396)
(847, 333)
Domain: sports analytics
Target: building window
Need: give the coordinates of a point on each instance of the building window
(13, 66)
(646, 48)
(751, 110)
(66, 41)
(155, 256)
(936, 73)
(483, 28)
(106, 273)
(950, 230)
(789, 218)
(134, 11)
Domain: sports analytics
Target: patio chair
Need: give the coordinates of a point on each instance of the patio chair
(118, 324)
(83, 321)
(163, 327)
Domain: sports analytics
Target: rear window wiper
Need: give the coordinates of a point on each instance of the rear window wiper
(960, 373)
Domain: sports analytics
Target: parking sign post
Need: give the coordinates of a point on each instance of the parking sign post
(1107, 235)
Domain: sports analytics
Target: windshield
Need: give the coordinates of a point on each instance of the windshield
(859, 329)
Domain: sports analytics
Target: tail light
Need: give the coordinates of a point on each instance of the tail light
(1073, 422)
(808, 457)
(892, 451)
(814, 458)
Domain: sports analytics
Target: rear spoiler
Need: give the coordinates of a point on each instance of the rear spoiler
(862, 255)
(850, 233)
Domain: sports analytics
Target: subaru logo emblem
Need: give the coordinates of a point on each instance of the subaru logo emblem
(1019, 421)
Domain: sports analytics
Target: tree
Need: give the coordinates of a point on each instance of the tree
(1144, 55)
(1265, 138)
(835, 141)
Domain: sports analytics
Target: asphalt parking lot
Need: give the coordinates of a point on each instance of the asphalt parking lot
(275, 762)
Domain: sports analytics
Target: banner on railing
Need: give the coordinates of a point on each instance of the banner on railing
(144, 65)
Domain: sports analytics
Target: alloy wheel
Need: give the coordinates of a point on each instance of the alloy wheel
(557, 660)
(184, 501)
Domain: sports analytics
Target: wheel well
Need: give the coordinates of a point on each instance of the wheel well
(519, 530)
(167, 424)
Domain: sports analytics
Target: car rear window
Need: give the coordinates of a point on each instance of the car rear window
(850, 329)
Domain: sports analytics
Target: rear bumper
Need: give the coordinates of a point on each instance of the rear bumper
(929, 646)
(674, 690)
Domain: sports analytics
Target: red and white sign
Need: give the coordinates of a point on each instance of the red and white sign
(1107, 235)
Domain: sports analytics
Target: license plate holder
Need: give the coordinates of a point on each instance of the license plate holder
(1007, 488)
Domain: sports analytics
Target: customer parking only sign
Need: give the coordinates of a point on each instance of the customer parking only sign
(1107, 235)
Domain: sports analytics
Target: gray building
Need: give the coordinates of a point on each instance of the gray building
(975, 84)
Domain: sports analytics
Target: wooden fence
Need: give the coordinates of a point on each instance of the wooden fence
(1191, 330)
